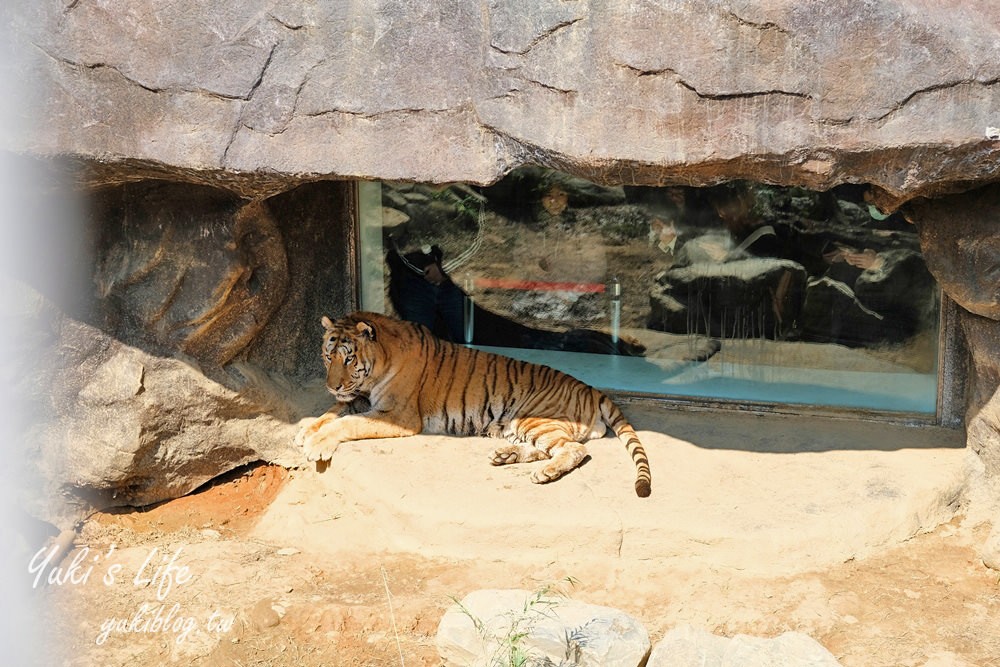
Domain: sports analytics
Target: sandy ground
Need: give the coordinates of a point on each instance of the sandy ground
(852, 533)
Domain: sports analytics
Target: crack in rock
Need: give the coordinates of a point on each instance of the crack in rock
(148, 87)
(766, 25)
(546, 86)
(375, 115)
(285, 24)
(239, 125)
(263, 71)
(933, 89)
(537, 40)
(642, 72)
(95, 66)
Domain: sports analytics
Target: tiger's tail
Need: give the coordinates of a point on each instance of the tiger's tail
(614, 418)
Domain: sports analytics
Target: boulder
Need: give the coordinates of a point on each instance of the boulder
(686, 646)
(454, 209)
(102, 424)
(898, 285)
(958, 236)
(833, 313)
(491, 627)
(260, 98)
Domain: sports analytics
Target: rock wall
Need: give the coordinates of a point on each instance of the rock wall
(258, 96)
(960, 238)
(187, 269)
(197, 271)
(983, 416)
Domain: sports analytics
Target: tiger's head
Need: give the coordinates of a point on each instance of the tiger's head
(349, 354)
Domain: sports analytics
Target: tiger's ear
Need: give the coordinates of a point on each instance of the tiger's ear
(366, 330)
(325, 321)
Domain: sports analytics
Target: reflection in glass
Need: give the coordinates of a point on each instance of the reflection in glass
(741, 291)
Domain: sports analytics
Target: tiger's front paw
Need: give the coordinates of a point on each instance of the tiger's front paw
(300, 437)
(316, 440)
(320, 446)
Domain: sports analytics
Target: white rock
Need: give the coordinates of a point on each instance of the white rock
(686, 645)
(484, 627)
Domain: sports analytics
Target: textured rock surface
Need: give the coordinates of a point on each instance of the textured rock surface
(257, 96)
(108, 424)
(492, 627)
(961, 244)
(686, 646)
(192, 270)
(983, 416)
(960, 241)
(314, 222)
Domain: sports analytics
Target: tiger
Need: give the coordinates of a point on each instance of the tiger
(413, 382)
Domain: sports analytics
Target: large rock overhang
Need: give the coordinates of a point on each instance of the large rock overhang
(261, 96)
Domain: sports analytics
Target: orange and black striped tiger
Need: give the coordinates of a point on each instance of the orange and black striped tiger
(417, 383)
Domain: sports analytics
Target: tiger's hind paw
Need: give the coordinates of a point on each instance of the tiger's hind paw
(565, 458)
(516, 454)
(544, 476)
(502, 458)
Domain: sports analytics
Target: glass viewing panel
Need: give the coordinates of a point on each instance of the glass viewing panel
(743, 291)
